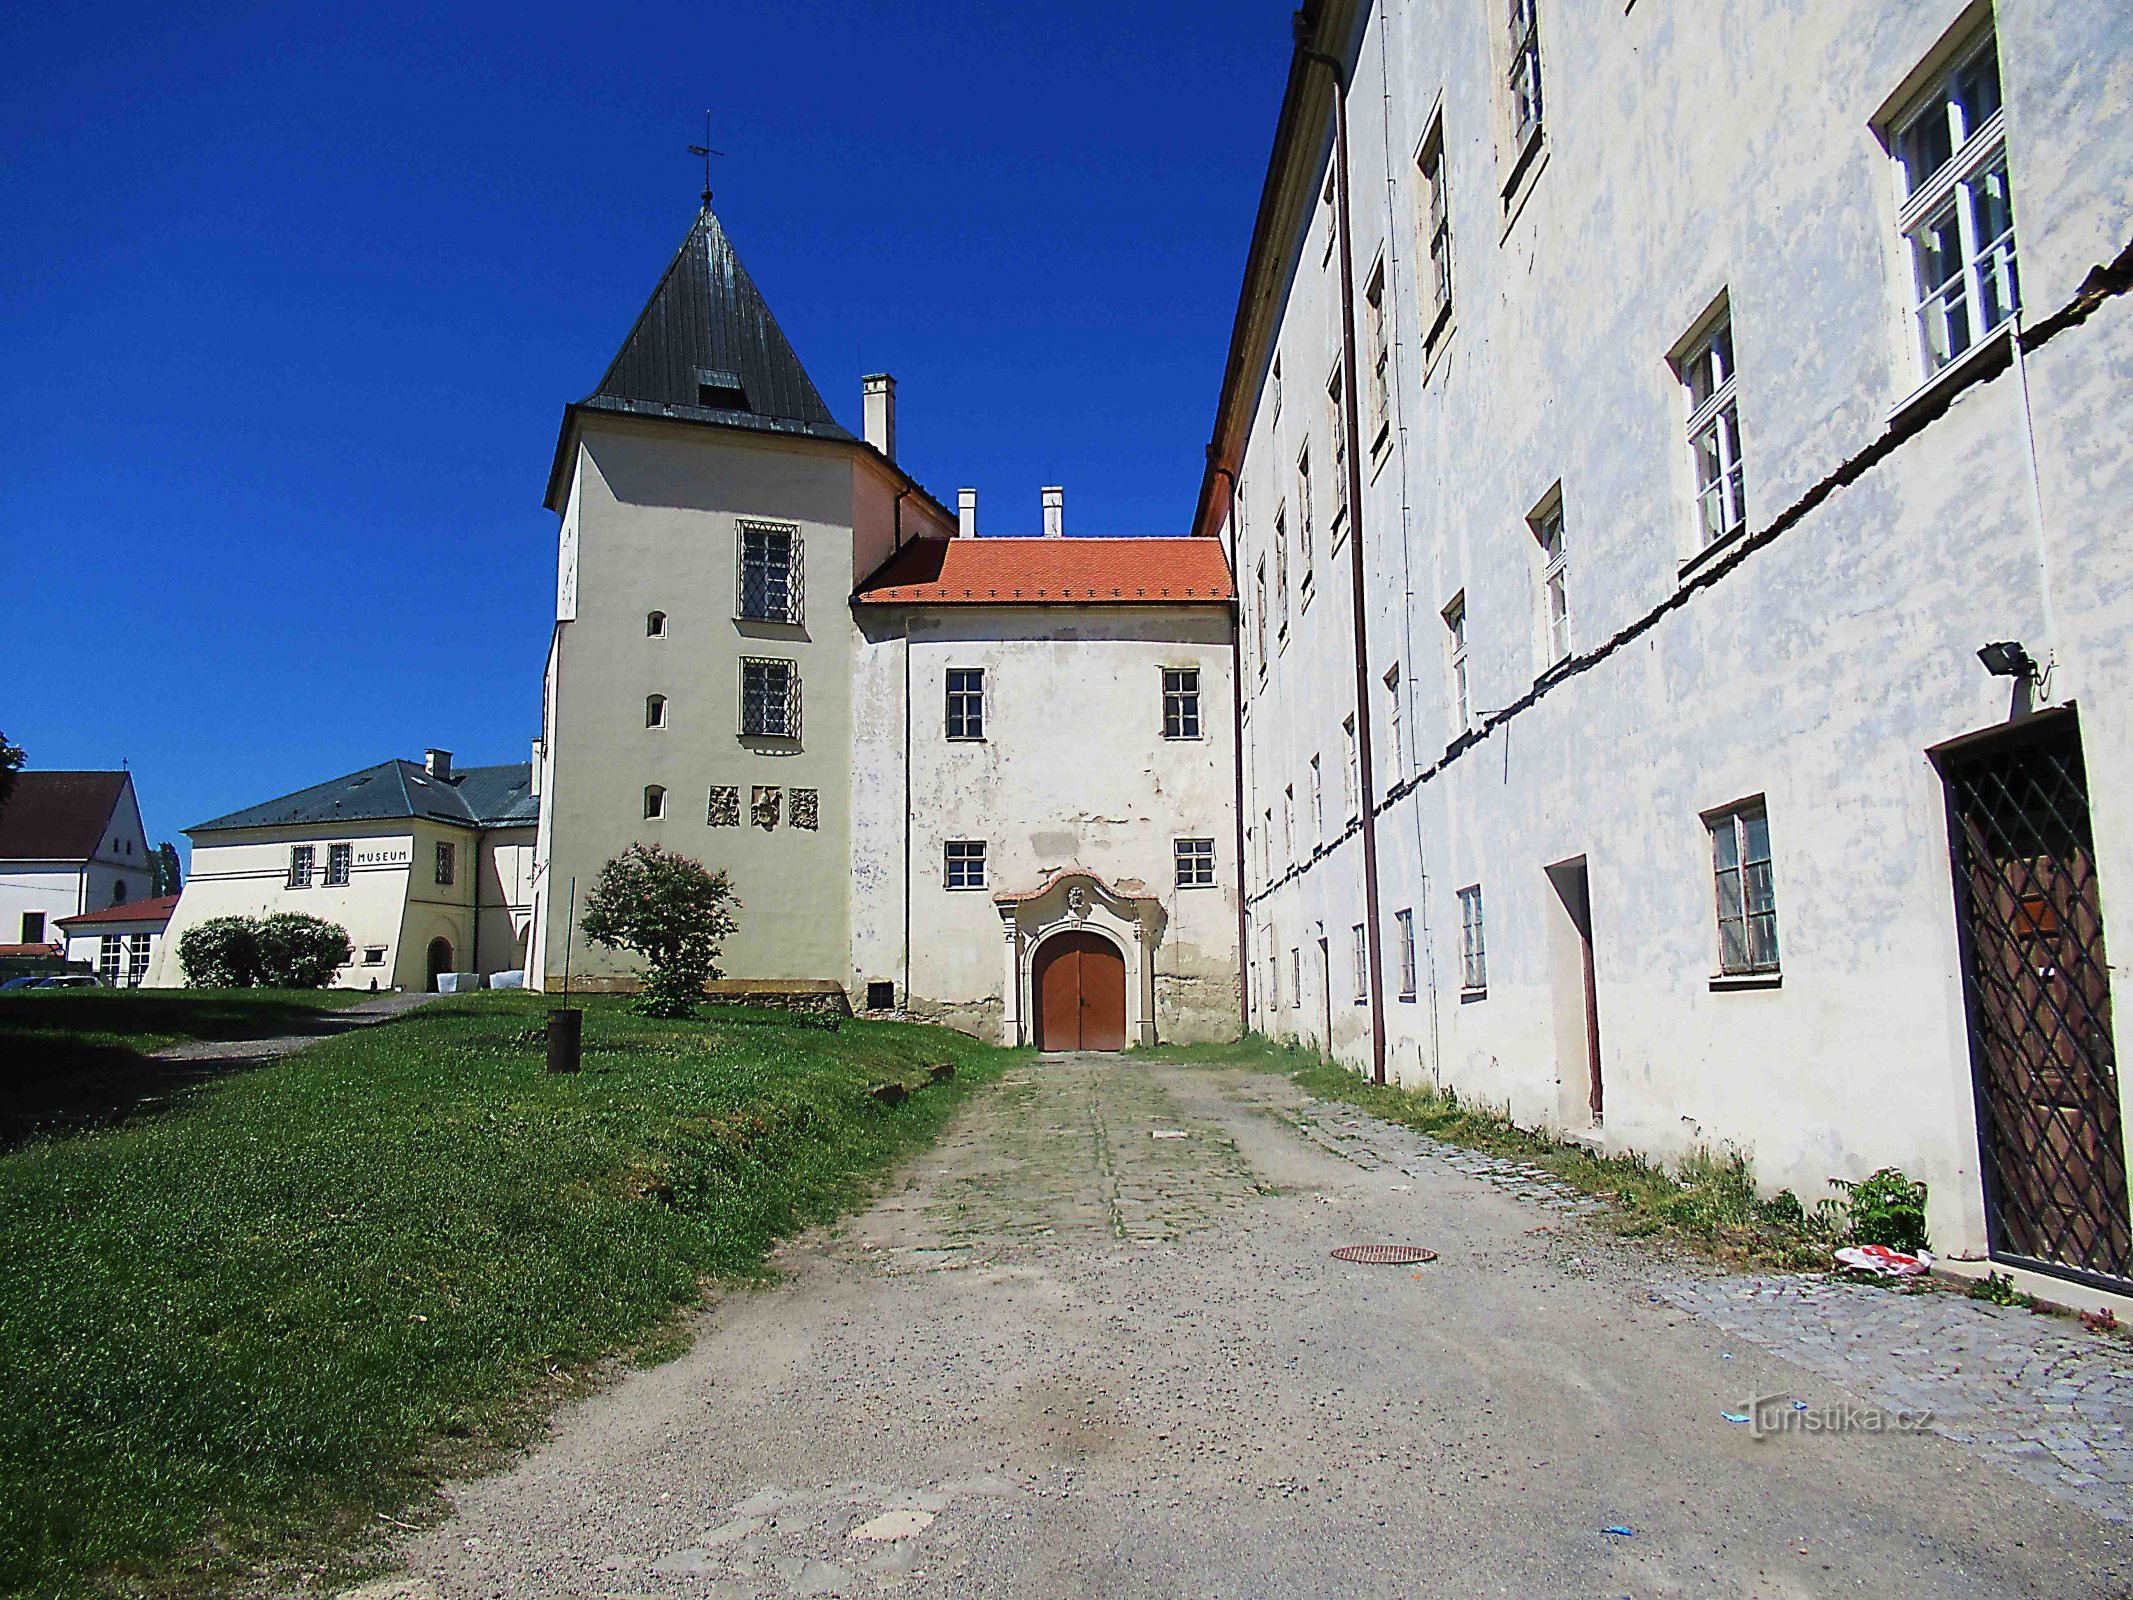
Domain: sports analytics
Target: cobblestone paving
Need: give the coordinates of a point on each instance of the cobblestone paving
(2052, 1405)
(2033, 1393)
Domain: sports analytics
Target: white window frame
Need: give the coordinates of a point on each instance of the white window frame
(1959, 189)
(1318, 799)
(1378, 344)
(110, 951)
(1194, 862)
(139, 948)
(655, 624)
(655, 711)
(963, 866)
(1281, 571)
(1434, 219)
(965, 702)
(303, 859)
(1351, 770)
(1337, 409)
(1288, 821)
(1523, 79)
(1259, 619)
(340, 862)
(1473, 942)
(1714, 431)
(1296, 977)
(1361, 937)
(1181, 704)
(1394, 724)
(1404, 921)
(1304, 563)
(1550, 533)
(655, 802)
(1455, 622)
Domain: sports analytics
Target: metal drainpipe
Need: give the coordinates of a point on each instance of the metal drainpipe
(1236, 700)
(1352, 420)
(907, 809)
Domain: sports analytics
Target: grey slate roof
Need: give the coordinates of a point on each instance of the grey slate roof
(707, 327)
(475, 797)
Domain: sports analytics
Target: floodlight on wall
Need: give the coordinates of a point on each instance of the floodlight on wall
(2007, 659)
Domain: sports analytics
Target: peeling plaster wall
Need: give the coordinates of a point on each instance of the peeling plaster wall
(1817, 672)
(1073, 772)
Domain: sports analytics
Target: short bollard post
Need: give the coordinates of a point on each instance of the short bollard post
(566, 1030)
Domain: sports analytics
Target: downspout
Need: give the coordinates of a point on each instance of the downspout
(1357, 576)
(1236, 701)
(907, 806)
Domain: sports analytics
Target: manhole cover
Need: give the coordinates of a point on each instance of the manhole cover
(1384, 1255)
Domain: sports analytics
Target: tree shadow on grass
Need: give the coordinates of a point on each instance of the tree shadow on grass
(66, 1064)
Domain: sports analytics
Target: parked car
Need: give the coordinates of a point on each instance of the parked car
(27, 981)
(72, 980)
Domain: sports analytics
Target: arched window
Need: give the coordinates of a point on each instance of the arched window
(655, 711)
(118, 892)
(655, 624)
(655, 802)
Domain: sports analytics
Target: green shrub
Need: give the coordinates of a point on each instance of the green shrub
(671, 910)
(1884, 1208)
(285, 951)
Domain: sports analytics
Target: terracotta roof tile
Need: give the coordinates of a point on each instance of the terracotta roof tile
(156, 910)
(1169, 571)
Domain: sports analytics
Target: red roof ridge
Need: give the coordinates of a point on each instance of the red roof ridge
(158, 909)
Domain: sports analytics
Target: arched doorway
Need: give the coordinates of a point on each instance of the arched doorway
(1080, 993)
(440, 959)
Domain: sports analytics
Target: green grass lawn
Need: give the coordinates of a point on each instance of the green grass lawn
(237, 1330)
(1708, 1201)
(45, 1024)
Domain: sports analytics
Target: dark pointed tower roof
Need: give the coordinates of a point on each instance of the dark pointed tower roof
(706, 348)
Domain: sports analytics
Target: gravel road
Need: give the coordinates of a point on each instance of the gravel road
(1068, 1355)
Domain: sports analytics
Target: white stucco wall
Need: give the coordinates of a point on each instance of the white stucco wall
(1816, 674)
(1073, 772)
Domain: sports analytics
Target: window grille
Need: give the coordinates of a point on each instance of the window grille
(724, 808)
(1714, 434)
(770, 572)
(1405, 922)
(1747, 893)
(964, 862)
(1957, 208)
(764, 803)
(1473, 942)
(338, 861)
(447, 860)
(137, 953)
(770, 698)
(1181, 702)
(301, 857)
(107, 958)
(966, 702)
(1195, 863)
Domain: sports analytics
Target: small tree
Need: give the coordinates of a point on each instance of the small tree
(674, 912)
(11, 759)
(288, 951)
(166, 876)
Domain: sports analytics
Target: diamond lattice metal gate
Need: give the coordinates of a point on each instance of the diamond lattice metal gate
(2038, 994)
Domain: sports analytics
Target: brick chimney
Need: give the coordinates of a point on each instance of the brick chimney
(1054, 513)
(966, 513)
(438, 764)
(881, 413)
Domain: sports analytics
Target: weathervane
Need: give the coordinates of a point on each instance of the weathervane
(707, 153)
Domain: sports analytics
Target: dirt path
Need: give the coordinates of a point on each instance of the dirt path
(1071, 1357)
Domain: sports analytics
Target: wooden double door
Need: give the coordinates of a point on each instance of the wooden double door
(1080, 993)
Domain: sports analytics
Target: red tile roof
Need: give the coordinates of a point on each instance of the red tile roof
(32, 949)
(156, 910)
(1174, 571)
(58, 816)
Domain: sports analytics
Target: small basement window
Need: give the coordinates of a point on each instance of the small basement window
(881, 996)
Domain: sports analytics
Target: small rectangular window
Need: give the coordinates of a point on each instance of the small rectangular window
(33, 927)
(1288, 820)
(1195, 863)
(1455, 646)
(1395, 739)
(338, 861)
(1303, 523)
(1318, 799)
(770, 698)
(1379, 345)
(1281, 571)
(1405, 922)
(1351, 773)
(1747, 894)
(1707, 385)
(374, 955)
(301, 857)
(1957, 207)
(966, 702)
(1181, 702)
(1337, 425)
(655, 802)
(447, 860)
(1296, 976)
(1259, 620)
(1525, 73)
(881, 996)
(1436, 229)
(770, 572)
(1473, 943)
(1547, 526)
(965, 861)
(1361, 935)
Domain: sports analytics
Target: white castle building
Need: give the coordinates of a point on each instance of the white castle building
(988, 780)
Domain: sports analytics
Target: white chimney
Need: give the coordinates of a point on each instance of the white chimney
(438, 764)
(1054, 513)
(966, 513)
(881, 413)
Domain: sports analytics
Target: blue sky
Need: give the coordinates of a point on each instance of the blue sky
(291, 299)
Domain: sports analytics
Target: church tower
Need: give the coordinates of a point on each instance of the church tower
(715, 518)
